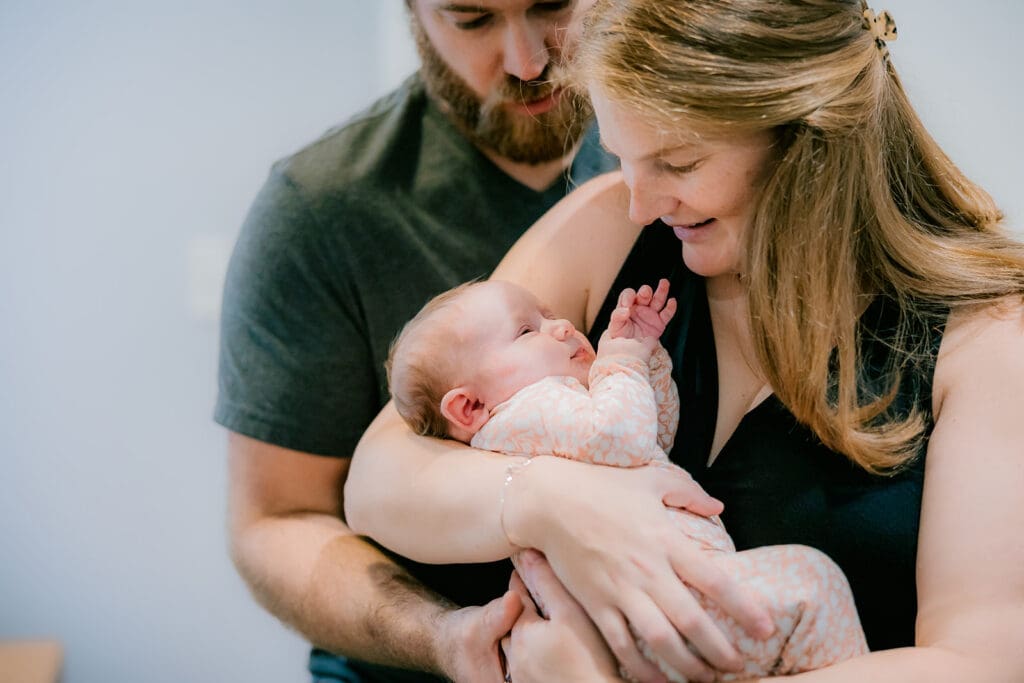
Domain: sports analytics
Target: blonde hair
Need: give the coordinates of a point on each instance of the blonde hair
(860, 202)
(423, 364)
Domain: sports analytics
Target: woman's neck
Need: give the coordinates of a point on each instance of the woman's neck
(741, 383)
(727, 292)
(729, 309)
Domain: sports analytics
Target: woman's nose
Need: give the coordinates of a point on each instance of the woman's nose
(647, 202)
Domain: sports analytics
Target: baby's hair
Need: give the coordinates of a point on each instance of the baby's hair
(422, 365)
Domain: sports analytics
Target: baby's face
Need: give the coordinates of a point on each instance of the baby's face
(513, 341)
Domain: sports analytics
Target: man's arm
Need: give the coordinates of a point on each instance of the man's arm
(310, 570)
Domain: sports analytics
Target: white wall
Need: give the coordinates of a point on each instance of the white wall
(133, 134)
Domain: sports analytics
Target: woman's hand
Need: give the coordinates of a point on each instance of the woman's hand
(608, 538)
(554, 639)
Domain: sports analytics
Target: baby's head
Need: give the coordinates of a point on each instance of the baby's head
(473, 347)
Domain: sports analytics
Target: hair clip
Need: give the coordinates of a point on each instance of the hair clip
(882, 27)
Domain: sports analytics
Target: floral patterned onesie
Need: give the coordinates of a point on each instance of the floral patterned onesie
(628, 418)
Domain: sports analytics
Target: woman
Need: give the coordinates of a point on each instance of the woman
(848, 353)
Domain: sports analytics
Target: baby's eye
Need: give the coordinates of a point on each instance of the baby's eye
(524, 330)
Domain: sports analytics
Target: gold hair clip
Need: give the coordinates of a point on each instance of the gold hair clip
(882, 27)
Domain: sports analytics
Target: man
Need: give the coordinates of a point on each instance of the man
(348, 238)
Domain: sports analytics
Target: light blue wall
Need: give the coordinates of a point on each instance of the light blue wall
(962, 65)
(130, 132)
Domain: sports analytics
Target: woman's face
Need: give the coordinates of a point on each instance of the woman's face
(705, 190)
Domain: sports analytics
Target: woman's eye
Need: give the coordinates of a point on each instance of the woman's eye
(680, 169)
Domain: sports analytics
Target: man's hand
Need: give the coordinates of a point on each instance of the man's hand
(470, 639)
(554, 640)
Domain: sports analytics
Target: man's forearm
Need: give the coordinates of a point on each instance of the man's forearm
(340, 592)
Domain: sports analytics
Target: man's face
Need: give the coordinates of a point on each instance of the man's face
(494, 67)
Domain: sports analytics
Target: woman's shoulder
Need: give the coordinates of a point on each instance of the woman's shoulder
(598, 207)
(576, 248)
(982, 349)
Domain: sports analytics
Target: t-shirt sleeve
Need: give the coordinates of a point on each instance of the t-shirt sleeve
(295, 369)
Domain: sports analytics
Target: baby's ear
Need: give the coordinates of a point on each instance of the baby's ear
(465, 411)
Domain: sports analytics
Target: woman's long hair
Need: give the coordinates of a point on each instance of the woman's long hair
(860, 201)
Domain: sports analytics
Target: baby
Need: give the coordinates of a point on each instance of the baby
(487, 364)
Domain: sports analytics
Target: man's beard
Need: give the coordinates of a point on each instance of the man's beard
(490, 125)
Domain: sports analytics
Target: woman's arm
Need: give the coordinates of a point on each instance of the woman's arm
(582, 517)
(604, 530)
(970, 577)
(402, 488)
(573, 254)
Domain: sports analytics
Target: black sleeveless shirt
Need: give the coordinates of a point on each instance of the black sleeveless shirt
(778, 482)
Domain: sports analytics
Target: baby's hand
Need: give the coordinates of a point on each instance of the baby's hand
(642, 315)
(625, 346)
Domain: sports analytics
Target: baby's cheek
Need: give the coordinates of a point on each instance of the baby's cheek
(504, 373)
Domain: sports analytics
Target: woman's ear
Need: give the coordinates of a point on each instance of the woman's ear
(464, 411)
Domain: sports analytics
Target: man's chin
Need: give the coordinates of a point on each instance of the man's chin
(524, 123)
(530, 138)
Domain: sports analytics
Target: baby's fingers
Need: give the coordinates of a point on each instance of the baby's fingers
(668, 311)
(644, 296)
(618, 321)
(627, 298)
(660, 295)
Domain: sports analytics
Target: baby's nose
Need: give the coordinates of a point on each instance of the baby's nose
(562, 329)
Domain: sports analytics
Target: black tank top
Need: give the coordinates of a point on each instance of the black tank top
(778, 482)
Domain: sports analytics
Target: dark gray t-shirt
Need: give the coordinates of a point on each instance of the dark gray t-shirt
(345, 242)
